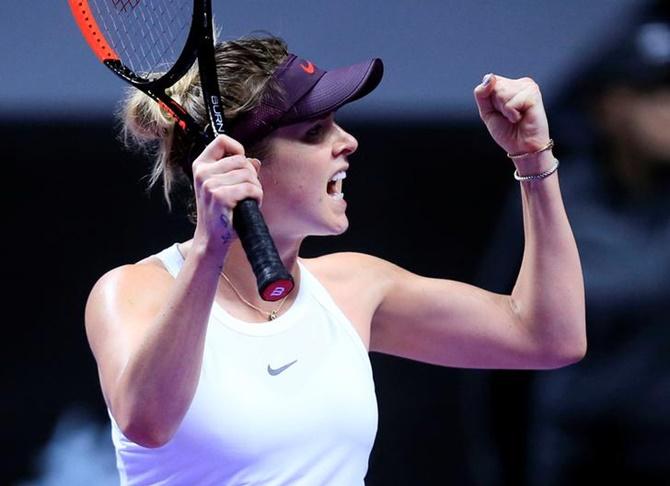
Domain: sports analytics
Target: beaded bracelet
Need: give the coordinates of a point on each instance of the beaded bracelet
(535, 177)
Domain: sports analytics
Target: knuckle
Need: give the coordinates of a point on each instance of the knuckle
(248, 186)
(207, 185)
(251, 173)
(221, 141)
(235, 161)
(249, 189)
(530, 82)
(242, 160)
(231, 144)
(223, 198)
(198, 173)
(237, 146)
(218, 145)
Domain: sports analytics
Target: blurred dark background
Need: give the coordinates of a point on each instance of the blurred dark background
(427, 190)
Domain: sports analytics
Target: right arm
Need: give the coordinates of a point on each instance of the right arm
(146, 329)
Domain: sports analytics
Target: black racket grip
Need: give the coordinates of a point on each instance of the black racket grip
(273, 280)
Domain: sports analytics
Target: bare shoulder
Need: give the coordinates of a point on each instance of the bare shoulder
(125, 295)
(342, 262)
(349, 268)
(129, 282)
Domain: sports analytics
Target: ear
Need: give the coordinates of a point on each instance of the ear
(266, 174)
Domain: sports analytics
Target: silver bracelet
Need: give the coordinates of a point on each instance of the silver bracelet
(535, 177)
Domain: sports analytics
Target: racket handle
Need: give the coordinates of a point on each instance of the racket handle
(273, 280)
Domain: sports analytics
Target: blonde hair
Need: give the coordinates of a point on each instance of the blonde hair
(244, 69)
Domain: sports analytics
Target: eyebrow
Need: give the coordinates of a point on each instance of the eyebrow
(309, 122)
(321, 118)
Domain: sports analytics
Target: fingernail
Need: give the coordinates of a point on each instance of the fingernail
(486, 79)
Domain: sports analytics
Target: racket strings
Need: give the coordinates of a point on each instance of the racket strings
(147, 35)
(122, 5)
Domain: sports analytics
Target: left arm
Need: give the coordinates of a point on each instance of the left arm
(542, 323)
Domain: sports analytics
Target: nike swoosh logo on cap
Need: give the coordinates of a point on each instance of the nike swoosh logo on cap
(309, 68)
(275, 372)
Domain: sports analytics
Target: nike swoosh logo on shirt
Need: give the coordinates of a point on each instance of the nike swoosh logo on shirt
(275, 372)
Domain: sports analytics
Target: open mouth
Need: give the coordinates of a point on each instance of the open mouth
(334, 187)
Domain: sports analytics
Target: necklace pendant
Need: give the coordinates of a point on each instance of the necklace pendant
(272, 315)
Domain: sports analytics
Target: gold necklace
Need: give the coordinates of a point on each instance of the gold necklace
(272, 315)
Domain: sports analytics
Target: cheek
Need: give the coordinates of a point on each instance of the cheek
(294, 193)
(294, 178)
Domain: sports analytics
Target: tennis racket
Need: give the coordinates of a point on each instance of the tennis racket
(151, 44)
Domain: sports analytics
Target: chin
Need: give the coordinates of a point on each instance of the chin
(341, 230)
(342, 226)
(333, 229)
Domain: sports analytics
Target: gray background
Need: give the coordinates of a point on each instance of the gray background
(435, 51)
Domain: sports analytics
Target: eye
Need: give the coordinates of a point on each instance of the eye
(314, 133)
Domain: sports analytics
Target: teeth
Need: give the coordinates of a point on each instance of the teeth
(339, 176)
(335, 191)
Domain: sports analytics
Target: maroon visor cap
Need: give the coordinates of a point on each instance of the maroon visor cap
(308, 92)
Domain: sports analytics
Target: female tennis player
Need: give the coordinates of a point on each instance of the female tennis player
(208, 384)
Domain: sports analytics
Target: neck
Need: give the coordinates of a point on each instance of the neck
(238, 270)
(241, 282)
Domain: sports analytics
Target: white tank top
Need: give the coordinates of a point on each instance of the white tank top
(287, 402)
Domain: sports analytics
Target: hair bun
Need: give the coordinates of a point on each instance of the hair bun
(144, 120)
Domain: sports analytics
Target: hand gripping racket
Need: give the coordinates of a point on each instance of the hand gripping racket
(151, 44)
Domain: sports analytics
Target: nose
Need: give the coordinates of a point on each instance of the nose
(346, 144)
